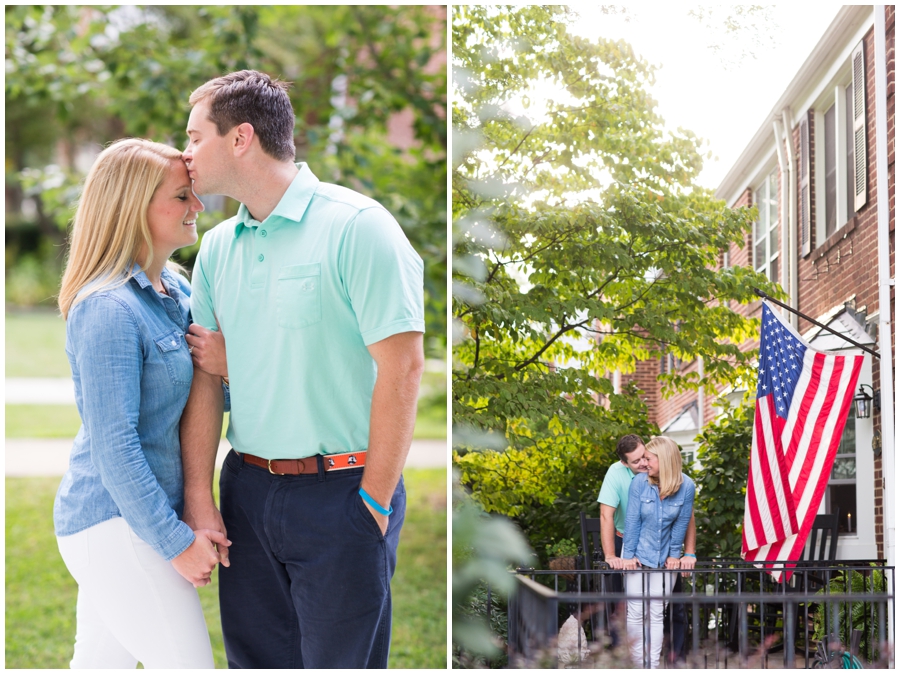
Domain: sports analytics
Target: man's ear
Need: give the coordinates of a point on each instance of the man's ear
(243, 138)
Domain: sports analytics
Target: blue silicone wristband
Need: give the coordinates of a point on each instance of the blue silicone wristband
(368, 499)
(689, 554)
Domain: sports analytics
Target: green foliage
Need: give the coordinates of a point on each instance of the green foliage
(581, 248)
(78, 77)
(724, 453)
(565, 547)
(840, 619)
(490, 608)
(484, 547)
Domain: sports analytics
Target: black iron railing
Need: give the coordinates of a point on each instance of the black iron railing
(734, 615)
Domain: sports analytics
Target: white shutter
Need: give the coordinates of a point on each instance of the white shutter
(804, 186)
(859, 127)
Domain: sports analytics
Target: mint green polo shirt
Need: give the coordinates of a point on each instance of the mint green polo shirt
(613, 491)
(300, 297)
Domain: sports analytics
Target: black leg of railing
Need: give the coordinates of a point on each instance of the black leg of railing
(742, 633)
(789, 624)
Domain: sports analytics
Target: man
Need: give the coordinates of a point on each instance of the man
(320, 298)
(613, 499)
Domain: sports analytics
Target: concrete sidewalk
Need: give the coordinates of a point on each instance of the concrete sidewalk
(25, 458)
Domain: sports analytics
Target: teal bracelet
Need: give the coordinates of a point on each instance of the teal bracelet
(368, 499)
(689, 554)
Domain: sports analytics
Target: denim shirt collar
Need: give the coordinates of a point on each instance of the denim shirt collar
(139, 276)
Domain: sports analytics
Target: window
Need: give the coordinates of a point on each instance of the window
(840, 162)
(765, 229)
(840, 495)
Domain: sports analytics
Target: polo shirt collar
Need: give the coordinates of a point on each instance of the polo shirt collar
(293, 203)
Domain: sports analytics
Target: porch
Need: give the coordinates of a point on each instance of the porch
(735, 616)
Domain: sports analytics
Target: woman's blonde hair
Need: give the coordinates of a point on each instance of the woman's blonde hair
(110, 229)
(669, 455)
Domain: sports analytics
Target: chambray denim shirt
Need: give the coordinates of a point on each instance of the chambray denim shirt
(132, 374)
(654, 527)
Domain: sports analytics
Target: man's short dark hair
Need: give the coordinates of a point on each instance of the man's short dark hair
(249, 96)
(627, 444)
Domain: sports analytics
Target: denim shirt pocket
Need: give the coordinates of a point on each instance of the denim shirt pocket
(299, 295)
(176, 357)
(672, 508)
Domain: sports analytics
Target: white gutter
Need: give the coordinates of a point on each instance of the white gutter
(782, 166)
(884, 288)
(794, 291)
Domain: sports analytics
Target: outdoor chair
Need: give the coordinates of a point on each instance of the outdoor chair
(820, 551)
(590, 541)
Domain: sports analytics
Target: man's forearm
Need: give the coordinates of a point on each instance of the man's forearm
(690, 537)
(607, 533)
(201, 428)
(391, 425)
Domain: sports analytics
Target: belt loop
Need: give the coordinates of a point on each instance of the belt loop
(320, 464)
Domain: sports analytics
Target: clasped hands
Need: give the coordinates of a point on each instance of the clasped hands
(210, 547)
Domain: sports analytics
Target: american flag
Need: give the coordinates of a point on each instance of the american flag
(802, 400)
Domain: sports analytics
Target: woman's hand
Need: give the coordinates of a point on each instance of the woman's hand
(673, 563)
(631, 564)
(196, 564)
(207, 349)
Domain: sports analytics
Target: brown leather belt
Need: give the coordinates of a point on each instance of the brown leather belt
(307, 465)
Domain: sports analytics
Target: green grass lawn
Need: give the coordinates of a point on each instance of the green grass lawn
(36, 345)
(40, 594)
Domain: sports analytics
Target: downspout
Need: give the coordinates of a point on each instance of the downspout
(794, 291)
(785, 256)
(884, 288)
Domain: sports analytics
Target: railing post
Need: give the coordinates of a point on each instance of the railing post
(789, 625)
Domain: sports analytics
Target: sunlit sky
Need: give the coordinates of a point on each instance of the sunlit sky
(722, 96)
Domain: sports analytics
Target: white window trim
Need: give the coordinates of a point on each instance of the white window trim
(770, 256)
(834, 93)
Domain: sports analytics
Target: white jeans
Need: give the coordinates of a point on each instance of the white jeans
(133, 606)
(655, 583)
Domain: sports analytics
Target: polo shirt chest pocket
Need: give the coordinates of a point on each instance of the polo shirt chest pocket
(299, 295)
(176, 357)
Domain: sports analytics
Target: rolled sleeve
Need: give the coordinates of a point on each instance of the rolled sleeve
(107, 348)
(632, 521)
(679, 529)
(382, 275)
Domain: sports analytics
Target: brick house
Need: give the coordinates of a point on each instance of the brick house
(811, 169)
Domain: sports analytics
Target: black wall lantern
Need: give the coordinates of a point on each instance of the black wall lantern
(863, 402)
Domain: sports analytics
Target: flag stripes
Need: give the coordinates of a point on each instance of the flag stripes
(803, 398)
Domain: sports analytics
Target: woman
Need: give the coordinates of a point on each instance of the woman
(660, 502)
(117, 509)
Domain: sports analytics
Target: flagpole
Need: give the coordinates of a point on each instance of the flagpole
(815, 322)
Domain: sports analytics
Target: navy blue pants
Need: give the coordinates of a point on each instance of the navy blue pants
(310, 574)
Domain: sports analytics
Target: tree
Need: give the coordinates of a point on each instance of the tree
(724, 453)
(584, 248)
(80, 76)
